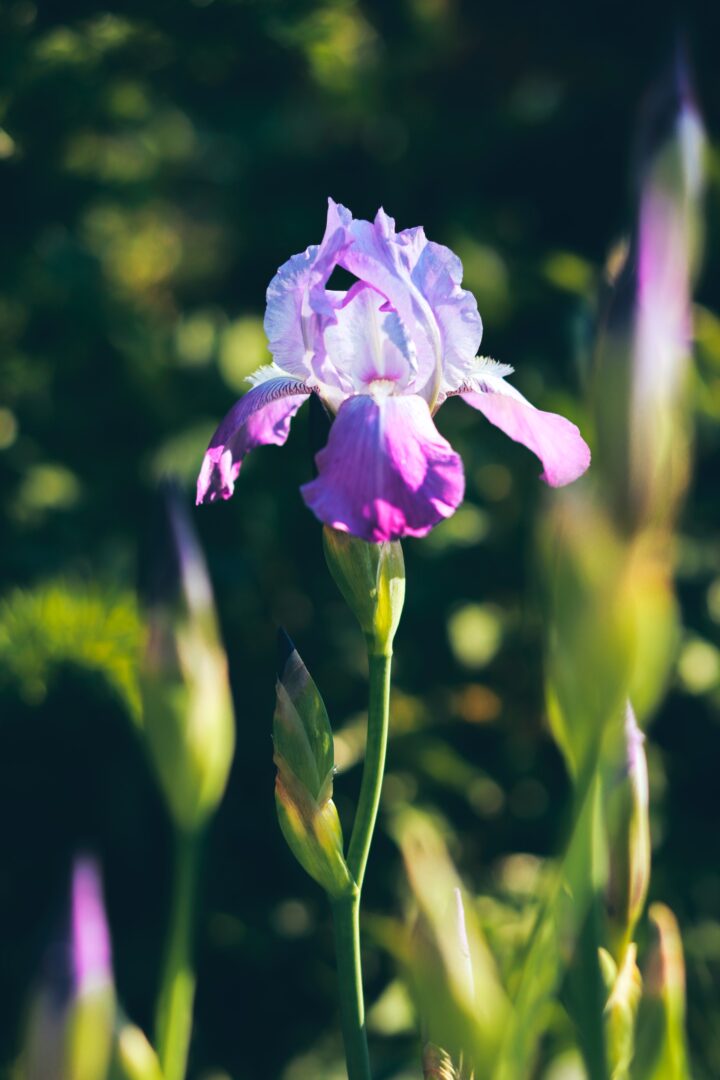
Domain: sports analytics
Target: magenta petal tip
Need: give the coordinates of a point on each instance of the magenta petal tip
(556, 441)
(260, 418)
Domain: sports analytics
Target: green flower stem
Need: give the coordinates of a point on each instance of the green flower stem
(175, 1002)
(377, 733)
(346, 920)
(346, 910)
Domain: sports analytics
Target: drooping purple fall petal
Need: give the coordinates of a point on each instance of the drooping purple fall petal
(261, 417)
(555, 440)
(386, 471)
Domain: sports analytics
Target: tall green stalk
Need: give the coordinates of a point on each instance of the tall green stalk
(346, 920)
(346, 910)
(173, 1022)
(374, 768)
(371, 577)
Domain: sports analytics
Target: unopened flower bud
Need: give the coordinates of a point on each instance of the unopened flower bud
(661, 1049)
(448, 948)
(371, 578)
(187, 705)
(629, 846)
(591, 630)
(643, 361)
(71, 1020)
(305, 762)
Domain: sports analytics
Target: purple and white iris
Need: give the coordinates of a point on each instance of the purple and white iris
(383, 357)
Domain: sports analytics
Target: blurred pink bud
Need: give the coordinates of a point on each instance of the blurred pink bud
(642, 412)
(667, 244)
(91, 954)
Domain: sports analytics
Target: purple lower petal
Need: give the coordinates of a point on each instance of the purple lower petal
(556, 441)
(261, 417)
(386, 471)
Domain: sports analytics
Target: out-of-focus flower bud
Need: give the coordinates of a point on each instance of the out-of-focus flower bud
(624, 987)
(661, 1045)
(71, 1020)
(371, 578)
(187, 705)
(612, 622)
(629, 839)
(455, 982)
(305, 762)
(135, 1058)
(643, 361)
(590, 638)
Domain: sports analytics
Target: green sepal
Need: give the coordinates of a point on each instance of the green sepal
(371, 578)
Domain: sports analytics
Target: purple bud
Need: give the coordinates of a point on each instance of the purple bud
(173, 570)
(91, 953)
(644, 360)
(72, 1012)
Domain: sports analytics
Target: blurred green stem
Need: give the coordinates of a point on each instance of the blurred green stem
(173, 1021)
(346, 910)
(586, 986)
(573, 879)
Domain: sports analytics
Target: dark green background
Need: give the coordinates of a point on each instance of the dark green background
(158, 162)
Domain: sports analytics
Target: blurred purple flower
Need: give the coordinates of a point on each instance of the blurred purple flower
(91, 959)
(667, 243)
(382, 357)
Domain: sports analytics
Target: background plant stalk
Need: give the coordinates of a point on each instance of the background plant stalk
(177, 992)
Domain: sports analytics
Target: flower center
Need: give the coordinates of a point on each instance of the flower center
(381, 388)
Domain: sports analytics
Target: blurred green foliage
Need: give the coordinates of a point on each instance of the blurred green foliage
(157, 163)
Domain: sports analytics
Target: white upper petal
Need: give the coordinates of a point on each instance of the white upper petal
(369, 341)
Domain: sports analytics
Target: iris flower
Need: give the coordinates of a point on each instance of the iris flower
(382, 356)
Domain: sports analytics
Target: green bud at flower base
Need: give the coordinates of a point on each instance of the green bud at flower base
(305, 762)
(371, 578)
(187, 705)
(629, 841)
